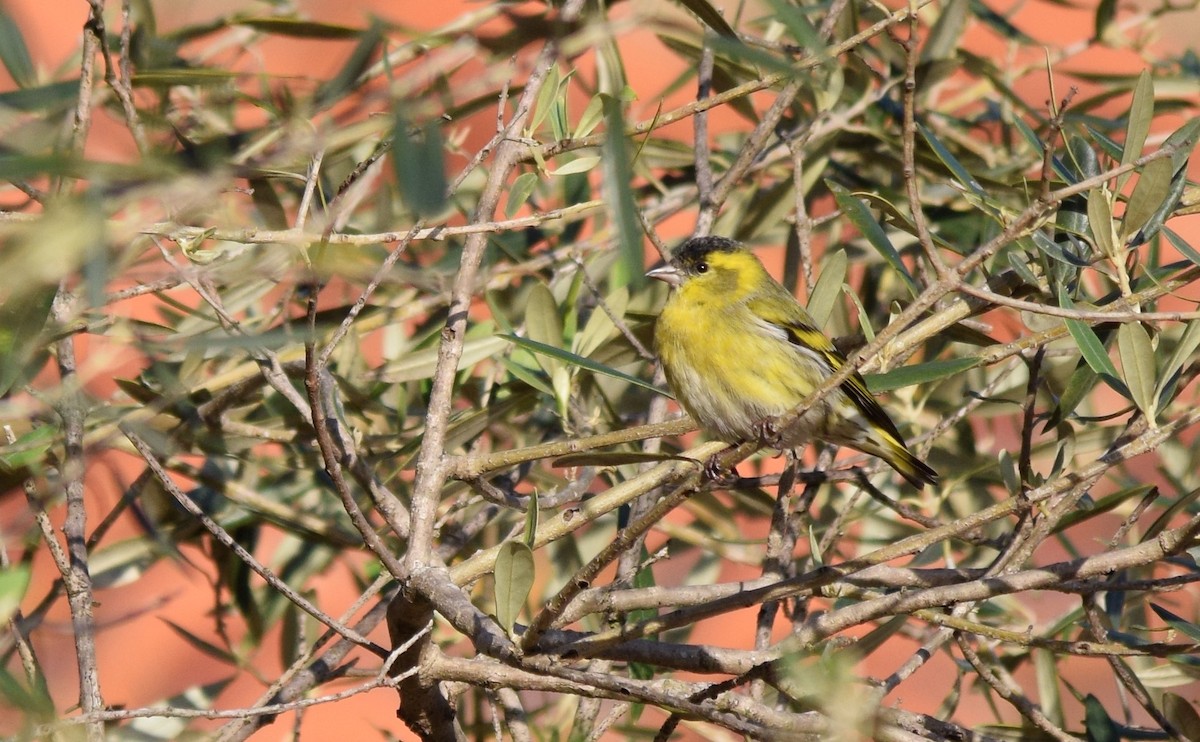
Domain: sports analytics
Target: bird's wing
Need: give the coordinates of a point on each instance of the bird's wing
(790, 318)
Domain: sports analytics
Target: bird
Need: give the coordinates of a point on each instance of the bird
(738, 351)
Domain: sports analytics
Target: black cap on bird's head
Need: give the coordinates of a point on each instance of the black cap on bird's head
(693, 257)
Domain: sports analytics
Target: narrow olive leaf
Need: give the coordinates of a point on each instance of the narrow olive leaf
(1081, 383)
(1152, 189)
(418, 160)
(1060, 251)
(1008, 473)
(21, 323)
(56, 95)
(1137, 361)
(1099, 212)
(300, 29)
(1141, 112)
(522, 189)
(618, 174)
(1106, 11)
(613, 458)
(920, 373)
(1188, 342)
(577, 165)
(531, 520)
(943, 41)
(591, 117)
(545, 99)
(36, 702)
(1182, 715)
(950, 161)
(14, 580)
(860, 216)
(801, 30)
(346, 78)
(542, 320)
(1091, 348)
(1182, 246)
(576, 360)
(1107, 504)
(14, 53)
(1029, 135)
(205, 647)
(528, 376)
(513, 580)
(1099, 727)
(710, 16)
(829, 285)
(1165, 210)
(1049, 697)
(1180, 624)
(1183, 140)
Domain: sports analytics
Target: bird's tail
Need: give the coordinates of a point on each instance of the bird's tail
(917, 472)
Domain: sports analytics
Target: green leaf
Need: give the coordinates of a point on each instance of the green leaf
(531, 520)
(1091, 348)
(592, 115)
(580, 361)
(14, 53)
(1155, 223)
(1183, 626)
(860, 216)
(205, 647)
(613, 458)
(1188, 342)
(1141, 112)
(919, 373)
(577, 165)
(618, 192)
(36, 702)
(828, 287)
(1137, 361)
(418, 163)
(710, 16)
(1152, 189)
(522, 189)
(950, 161)
(1099, 212)
(1184, 140)
(52, 97)
(947, 31)
(513, 574)
(546, 96)
(542, 320)
(1081, 383)
(1099, 727)
(799, 28)
(1182, 246)
(1106, 11)
(21, 323)
(14, 581)
(1049, 697)
(346, 80)
(301, 29)
(1182, 715)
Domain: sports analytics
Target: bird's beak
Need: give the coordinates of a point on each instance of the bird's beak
(667, 274)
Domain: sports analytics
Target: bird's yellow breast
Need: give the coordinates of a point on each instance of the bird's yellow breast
(729, 370)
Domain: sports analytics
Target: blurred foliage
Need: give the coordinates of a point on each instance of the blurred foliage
(261, 205)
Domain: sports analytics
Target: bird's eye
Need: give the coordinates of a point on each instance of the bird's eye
(702, 267)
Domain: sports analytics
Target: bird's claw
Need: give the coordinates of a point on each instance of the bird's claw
(768, 434)
(717, 472)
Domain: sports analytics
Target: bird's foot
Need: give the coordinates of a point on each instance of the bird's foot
(766, 431)
(717, 472)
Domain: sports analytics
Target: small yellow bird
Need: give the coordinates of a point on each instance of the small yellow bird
(739, 350)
